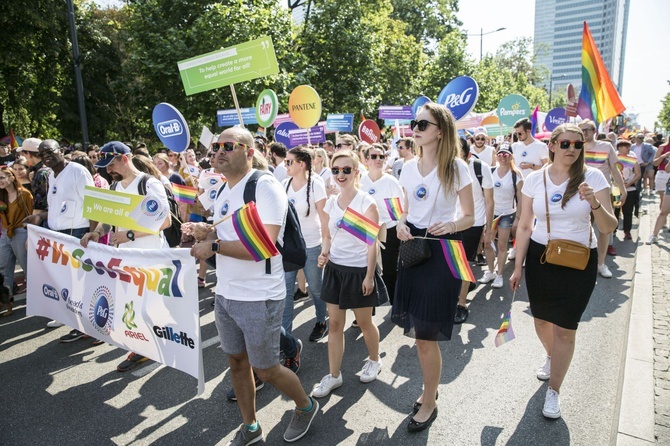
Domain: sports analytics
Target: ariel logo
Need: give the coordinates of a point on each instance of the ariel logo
(129, 316)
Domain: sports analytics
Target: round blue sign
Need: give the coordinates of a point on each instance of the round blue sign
(460, 96)
(555, 117)
(171, 127)
(281, 132)
(419, 102)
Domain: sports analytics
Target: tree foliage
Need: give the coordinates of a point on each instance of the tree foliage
(664, 114)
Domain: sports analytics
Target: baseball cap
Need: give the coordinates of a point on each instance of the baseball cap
(481, 131)
(109, 151)
(504, 148)
(30, 145)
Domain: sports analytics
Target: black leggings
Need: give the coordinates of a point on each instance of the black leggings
(627, 209)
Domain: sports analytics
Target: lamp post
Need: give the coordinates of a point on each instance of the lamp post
(481, 39)
(551, 86)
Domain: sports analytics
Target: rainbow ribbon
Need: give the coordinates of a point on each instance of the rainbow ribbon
(252, 233)
(457, 261)
(359, 226)
(394, 206)
(505, 333)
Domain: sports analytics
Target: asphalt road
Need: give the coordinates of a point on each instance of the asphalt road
(66, 394)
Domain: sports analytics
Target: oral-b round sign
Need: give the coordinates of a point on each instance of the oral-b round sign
(171, 127)
(460, 96)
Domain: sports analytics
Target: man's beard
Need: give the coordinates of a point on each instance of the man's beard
(115, 176)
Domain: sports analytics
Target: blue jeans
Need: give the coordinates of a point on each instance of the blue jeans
(13, 250)
(314, 276)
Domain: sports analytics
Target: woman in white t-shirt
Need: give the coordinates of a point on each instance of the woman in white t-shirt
(308, 194)
(630, 175)
(506, 206)
(426, 294)
(382, 186)
(322, 167)
(349, 277)
(559, 295)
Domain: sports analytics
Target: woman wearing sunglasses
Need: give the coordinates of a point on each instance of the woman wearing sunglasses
(426, 294)
(308, 194)
(558, 295)
(349, 274)
(382, 186)
(507, 184)
(16, 203)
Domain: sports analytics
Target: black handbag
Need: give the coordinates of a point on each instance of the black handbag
(414, 252)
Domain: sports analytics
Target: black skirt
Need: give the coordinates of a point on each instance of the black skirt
(426, 295)
(558, 294)
(343, 286)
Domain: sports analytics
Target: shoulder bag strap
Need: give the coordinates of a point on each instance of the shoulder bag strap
(546, 203)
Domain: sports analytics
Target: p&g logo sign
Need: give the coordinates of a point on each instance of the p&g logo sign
(460, 96)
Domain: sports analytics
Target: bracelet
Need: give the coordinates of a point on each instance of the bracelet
(597, 207)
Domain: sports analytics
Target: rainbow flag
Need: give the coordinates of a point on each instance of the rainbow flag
(627, 161)
(184, 194)
(394, 206)
(595, 157)
(533, 121)
(457, 260)
(252, 234)
(495, 223)
(505, 334)
(598, 98)
(359, 226)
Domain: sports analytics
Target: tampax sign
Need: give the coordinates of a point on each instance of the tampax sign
(304, 106)
(513, 107)
(460, 96)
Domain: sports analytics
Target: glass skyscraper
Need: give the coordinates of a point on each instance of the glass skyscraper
(558, 38)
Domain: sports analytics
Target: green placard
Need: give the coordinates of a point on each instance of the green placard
(232, 65)
(513, 107)
(113, 208)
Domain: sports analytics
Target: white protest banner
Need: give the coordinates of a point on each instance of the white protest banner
(141, 300)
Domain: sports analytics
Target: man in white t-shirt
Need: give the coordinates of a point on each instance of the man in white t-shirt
(115, 157)
(529, 153)
(405, 148)
(278, 155)
(249, 295)
(482, 150)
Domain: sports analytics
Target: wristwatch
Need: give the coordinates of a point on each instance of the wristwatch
(130, 235)
(215, 246)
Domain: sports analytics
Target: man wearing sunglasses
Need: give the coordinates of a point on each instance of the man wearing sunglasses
(405, 148)
(482, 150)
(601, 155)
(249, 295)
(530, 154)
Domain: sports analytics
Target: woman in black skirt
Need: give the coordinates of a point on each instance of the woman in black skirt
(559, 295)
(426, 294)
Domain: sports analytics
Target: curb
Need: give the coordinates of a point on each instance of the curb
(637, 415)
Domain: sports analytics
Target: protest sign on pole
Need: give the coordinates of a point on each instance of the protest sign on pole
(282, 132)
(143, 213)
(340, 122)
(369, 132)
(555, 117)
(231, 116)
(171, 127)
(298, 137)
(267, 106)
(511, 108)
(135, 299)
(393, 112)
(459, 96)
(206, 137)
(418, 103)
(304, 106)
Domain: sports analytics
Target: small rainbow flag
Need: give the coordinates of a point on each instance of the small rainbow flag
(394, 206)
(627, 161)
(505, 334)
(252, 234)
(595, 157)
(457, 260)
(359, 226)
(495, 223)
(184, 194)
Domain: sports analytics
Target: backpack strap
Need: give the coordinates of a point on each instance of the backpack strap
(477, 164)
(516, 200)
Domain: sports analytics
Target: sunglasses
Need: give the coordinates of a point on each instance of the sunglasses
(227, 146)
(290, 162)
(421, 124)
(345, 170)
(565, 144)
(480, 139)
(503, 155)
(520, 133)
(339, 146)
(44, 152)
(377, 157)
(106, 155)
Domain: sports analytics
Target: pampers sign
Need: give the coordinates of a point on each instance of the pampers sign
(511, 108)
(460, 96)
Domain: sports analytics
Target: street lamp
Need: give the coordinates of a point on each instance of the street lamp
(481, 39)
(551, 85)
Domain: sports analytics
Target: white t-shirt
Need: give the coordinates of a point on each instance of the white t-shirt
(280, 172)
(66, 197)
(421, 194)
(396, 167)
(600, 157)
(385, 187)
(487, 154)
(246, 280)
(156, 189)
(310, 226)
(503, 192)
(573, 222)
(326, 176)
(533, 153)
(345, 249)
(477, 191)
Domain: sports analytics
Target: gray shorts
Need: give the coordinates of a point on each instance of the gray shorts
(251, 327)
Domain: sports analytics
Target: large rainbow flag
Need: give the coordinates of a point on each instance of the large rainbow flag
(457, 260)
(184, 194)
(505, 333)
(599, 99)
(252, 233)
(359, 226)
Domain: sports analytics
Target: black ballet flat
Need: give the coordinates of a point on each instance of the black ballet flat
(417, 406)
(415, 426)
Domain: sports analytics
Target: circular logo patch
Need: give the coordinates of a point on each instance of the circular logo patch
(556, 198)
(421, 192)
(224, 208)
(101, 310)
(372, 191)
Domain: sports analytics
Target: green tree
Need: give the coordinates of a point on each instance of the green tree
(664, 114)
(427, 21)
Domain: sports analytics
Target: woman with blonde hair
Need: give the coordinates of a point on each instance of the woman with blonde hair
(426, 294)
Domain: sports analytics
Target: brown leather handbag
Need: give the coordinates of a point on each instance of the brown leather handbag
(564, 252)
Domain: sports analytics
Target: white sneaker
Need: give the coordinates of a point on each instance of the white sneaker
(544, 372)
(54, 324)
(652, 240)
(487, 277)
(512, 254)
(327, 385)
(552, 404)
(497, 282)
(605, 271)
(370, 370)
